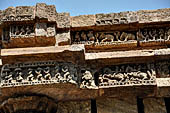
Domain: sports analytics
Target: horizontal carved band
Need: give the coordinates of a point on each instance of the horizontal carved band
(116, 37)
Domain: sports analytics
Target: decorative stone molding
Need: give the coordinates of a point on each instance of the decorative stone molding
(127, 75)
(38, 73)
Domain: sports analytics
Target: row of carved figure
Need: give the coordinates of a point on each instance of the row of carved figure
(26, 30)
(127, 73)
(119, 36)
(16, 18)
(61, 74)
(69, 73)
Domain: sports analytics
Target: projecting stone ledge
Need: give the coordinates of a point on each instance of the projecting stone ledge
(62, 53)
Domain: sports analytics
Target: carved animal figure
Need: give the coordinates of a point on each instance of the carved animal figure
(127, 36)
(106, 37)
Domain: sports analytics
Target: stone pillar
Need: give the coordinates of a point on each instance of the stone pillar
(74, 107)
(154, 105)
(117, 105)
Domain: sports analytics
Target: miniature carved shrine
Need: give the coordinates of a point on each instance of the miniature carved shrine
(52, 62)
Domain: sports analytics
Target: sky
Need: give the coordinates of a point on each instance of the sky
(84, 7)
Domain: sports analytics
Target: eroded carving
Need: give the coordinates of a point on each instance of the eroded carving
(22, 31)
(87, 80)
(39, 72)
(136, 74)
(103, 37)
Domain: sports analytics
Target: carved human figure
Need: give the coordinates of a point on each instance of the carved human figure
(87, 80)
(47, 75)
(7, 76)
(83, 36)
(57, 73)
(77, 37)
(28, 30)
(91, 36)
(143, 35)
(39, 74)
(30, 76)
(152, 34)
(22, 31)
(19, 75)
(17, 31)
(168, 34)
(161, 34)
(66, 73)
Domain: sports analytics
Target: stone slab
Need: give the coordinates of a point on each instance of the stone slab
(83, 20)
(154, 105)
(117, 105)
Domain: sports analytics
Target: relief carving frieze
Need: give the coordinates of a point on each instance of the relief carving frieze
(126, 75)
(38, 73)
(118, 37)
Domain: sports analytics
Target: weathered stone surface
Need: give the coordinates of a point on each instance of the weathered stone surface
(25, 12)
(154, 105)
(117, 105)
(44, 11)
(9, 14)
(160, 15)
(41, 29)
(63, 20)
(83, 20)
(74, 107)
(163, 82)
(116, 18)
(63, 38)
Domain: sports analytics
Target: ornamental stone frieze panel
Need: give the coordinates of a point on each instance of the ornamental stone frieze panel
(116, 18)
(142, 35)
(21, 13)
(110, 37)
(38, 73)
(127, 75)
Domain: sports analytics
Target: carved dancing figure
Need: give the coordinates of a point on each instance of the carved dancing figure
(77, 37)
(57, 76)
(28, 30)
(47, 75)
(19, 75)
(22, 31)
(87, 80)
(66, 73)
(39, 74)
(161, 34)
(17, 32)
(153, 34)
(168, 34)
(91, 36)
(143, 36)
(30, 76)
(83, 37)
(7, 76)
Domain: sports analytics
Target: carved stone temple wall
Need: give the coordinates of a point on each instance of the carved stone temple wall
(52, 62)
